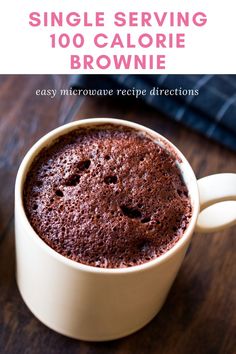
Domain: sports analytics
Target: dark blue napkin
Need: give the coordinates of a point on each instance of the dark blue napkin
(212, 112)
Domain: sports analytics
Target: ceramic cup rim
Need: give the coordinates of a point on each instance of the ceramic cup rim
(64, 129)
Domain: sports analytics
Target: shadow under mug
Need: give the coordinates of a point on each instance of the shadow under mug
(97, 304)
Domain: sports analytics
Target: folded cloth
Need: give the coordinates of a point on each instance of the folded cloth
(211, 112)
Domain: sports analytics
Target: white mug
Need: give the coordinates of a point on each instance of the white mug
(97, 304)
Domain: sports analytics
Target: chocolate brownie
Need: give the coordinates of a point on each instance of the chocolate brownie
(107, 197)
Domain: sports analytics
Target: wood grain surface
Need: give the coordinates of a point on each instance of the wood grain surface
(199, 315)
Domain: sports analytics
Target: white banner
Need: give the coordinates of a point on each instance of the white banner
(117, 37)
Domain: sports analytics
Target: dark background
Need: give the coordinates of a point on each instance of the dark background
(199, 314)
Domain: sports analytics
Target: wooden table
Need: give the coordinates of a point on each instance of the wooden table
(199, 314)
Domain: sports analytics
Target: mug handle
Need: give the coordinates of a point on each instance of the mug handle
(217, 202)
